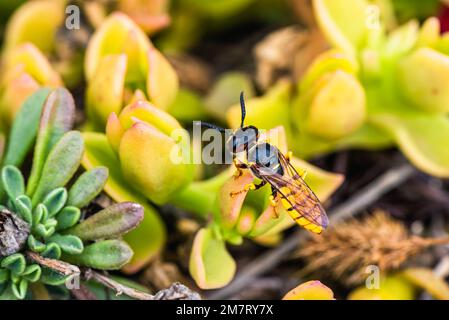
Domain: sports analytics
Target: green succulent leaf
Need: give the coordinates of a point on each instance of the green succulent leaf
(110, 222)
(52, 278)
(4, 275)
(57, 118)
(15, 262)
(210, 264)
(68, 217)
(55, 201)
(24, 129)
(87, 187)
(99, 153)
(32, 273)
(52, 251)
(35, 245)
(20, 289)
(12, 181)
(61, 164)
(44, 232)
(23, 206)
(103, 255)
(40, 214)
(68, 243)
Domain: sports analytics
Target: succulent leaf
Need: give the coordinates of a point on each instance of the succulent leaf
(57, 118)
(103, 255)
(110, 222)
(68, 217)
(55, 201)
(87, 187)
(61, 164)
(24, 129)
(68, 243)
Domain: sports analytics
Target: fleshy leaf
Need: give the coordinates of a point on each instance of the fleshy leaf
(87, 187)
(311, 290)
(429, 281)
(40, 214)
(32, 273)
(55, 201)
(20, 289)
(24, 128)
(61, 164)
(99, 153)
(211, 266)
(23, 205)
(28, 25)
(68, 243)
(15, 262)
(162, 81)
(103, 255)
(52, 278)
(68, 217)
(52, 251)
(105, 90)
(420, 137)
(13, 182)
(225, 93)
(35, 245)
(392, 287)
(343, 27)
(57, 118)
(110, 222)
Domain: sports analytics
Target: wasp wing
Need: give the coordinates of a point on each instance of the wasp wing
(299, 200)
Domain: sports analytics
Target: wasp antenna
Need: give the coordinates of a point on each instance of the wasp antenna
(211, 126)
(243, 108)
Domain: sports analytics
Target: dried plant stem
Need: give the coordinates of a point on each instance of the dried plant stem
(61, 267)
(89, 274)
(368, 195)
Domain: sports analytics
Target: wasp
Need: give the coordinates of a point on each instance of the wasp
(267, 163)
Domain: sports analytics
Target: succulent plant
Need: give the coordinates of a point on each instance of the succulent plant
(129, 63)
(375, 89)
(26, 70)
(42, 219)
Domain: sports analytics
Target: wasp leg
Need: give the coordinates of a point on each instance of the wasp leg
(303, 173)
(289, 156)
(239, 167)
(249, 186)
(274, 201)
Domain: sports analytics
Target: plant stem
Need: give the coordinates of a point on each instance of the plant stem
(61, 267)
(199, 196)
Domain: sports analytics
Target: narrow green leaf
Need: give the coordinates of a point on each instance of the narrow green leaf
(68, 217)
(44, 232)
(55, 201)
(35, 245)
(15, 262)
(32, 273)
(23, 205)
(103, 255)
(20, 289)
(40, 214)
(13, 182)
(24, 128)
(69, 244)
(4, 275)
(61, 164)
(57, 118)
(110, 222)
(87, 187)
(52, 278)
(99, 153)
(52, 251)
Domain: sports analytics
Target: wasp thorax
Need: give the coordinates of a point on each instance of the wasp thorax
(242, 139)
(13, 233)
